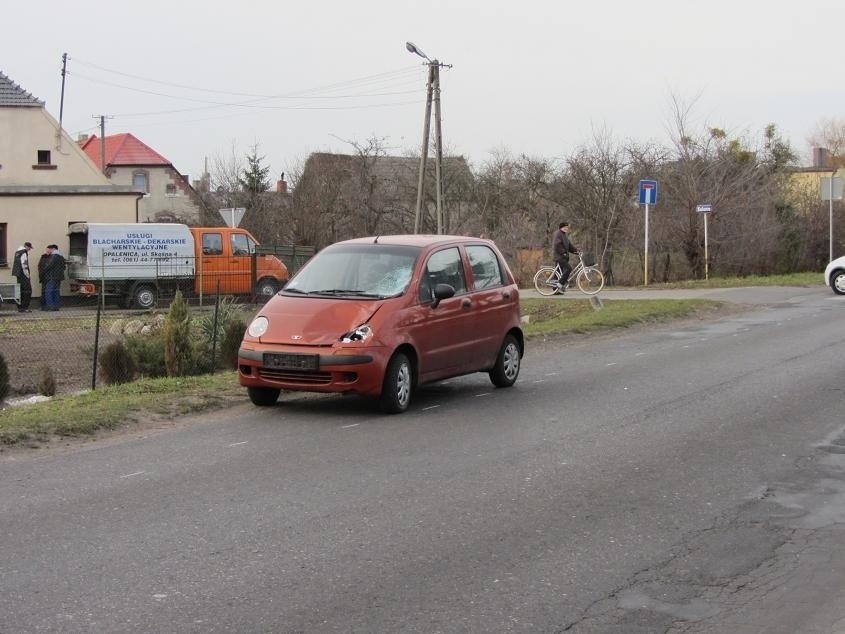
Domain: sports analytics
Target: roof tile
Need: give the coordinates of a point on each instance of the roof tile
(11, 94)
(123, 149)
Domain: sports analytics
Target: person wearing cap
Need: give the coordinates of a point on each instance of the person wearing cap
(562, 247)
(54, 273)
(20, 270)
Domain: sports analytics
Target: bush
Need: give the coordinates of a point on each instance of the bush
(47, 385)
(230, 342)
(147, 352)
(5, 386)
(116, 364)
(179, 356)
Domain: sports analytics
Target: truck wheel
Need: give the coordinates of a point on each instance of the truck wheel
(266, 287)
(144, 296)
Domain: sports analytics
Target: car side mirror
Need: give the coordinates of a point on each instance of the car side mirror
(442, 291)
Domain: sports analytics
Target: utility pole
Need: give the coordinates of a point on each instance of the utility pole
(432, 94)
(102, 119)
(438, 148)
(62, 103)
(424, 153)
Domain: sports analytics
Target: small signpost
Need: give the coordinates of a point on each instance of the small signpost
(648, 196)
(705, 209)
(831, 189)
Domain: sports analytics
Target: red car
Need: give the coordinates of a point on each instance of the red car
(378, 316)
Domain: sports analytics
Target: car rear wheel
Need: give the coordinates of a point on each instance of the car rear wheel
(506, 370)
(837, 282)
(398, 385)
(263, 396)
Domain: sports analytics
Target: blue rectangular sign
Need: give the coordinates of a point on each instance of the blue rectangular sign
(648, 192)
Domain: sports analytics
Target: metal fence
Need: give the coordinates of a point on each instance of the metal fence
(62, 351)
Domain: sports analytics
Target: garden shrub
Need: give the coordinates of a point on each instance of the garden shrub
(116, 364)
(47, 384)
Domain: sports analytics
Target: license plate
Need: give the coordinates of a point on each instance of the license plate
(291, 361)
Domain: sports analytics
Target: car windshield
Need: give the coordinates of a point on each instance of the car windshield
(357, 270)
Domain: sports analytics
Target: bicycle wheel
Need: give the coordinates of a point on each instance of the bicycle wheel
(545, 280)
(590, 280)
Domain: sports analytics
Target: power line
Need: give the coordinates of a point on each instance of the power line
(378, 77)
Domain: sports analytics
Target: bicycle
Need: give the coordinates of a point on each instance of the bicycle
(589, 279)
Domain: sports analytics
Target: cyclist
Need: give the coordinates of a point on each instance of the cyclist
(562, 247)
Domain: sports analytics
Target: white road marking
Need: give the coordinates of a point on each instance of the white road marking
(235, 444)
(484, 394)
(350, 426)
(129, 475)
(430, 407)
(614, 363)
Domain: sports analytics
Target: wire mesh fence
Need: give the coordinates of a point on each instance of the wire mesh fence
(86, 347)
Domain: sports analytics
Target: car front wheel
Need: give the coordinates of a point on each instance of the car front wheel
(506, 370)
(263, 396)
(837, 282)
(398, 385)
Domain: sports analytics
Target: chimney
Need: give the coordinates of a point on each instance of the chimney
(81, 139)
(282, 185)
(821, 157)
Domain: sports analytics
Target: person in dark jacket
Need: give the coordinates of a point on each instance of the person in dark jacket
(562, 247)
(20, 270)
(42, 266)
(54, 273)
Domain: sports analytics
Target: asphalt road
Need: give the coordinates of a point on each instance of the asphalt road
(686, 478)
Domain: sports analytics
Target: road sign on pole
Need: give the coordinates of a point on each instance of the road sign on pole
(831, 189)
(648, 192)
(705, 209)
(232, 216)
(648, 196)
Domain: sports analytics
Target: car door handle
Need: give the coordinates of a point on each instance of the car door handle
(466, 303)
(506, 295)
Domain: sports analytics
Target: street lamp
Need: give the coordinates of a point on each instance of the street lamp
(412, 48)
(432, 92)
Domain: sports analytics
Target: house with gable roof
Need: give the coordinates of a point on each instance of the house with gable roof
(46, 181)
(168, 196)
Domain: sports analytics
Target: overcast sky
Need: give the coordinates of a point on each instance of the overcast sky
(195, 79)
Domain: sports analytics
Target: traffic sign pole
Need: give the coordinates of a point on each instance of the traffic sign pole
(648, 196)
(645, 259)
(705, 209)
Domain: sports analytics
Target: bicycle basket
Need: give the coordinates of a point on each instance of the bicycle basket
(589, 259)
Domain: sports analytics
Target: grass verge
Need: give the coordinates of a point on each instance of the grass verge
(555, 317)
(109, 407)
(807, 278)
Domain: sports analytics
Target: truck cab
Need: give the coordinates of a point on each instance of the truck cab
(225, 257)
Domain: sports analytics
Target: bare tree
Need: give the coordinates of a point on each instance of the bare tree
(830, 134)
(741, 181)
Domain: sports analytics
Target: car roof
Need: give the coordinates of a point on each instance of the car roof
(414, 240)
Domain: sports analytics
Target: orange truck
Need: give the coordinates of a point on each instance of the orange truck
(134, 263)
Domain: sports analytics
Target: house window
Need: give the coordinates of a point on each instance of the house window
(141, 182)
(43, 159)
(3, 246)
(170, 189)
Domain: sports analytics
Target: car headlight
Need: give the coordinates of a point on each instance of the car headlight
(258, 327)
(361, 333)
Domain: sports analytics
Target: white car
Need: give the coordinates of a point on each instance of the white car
(834, 275)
